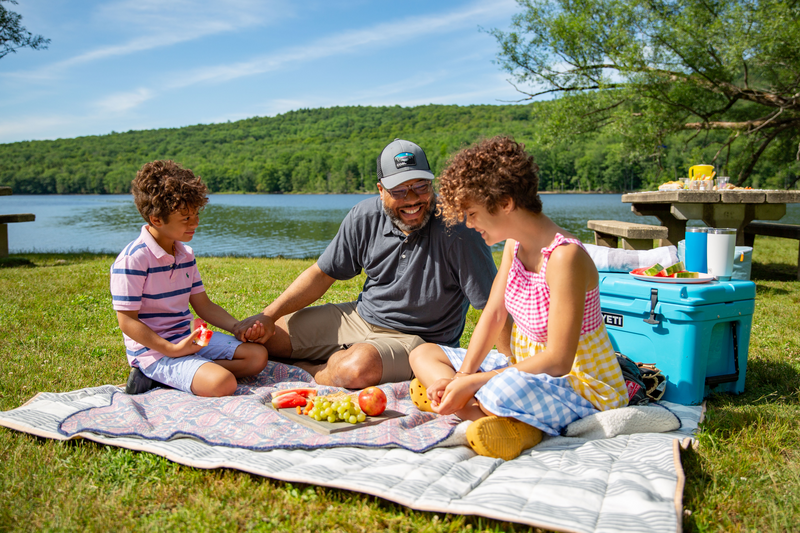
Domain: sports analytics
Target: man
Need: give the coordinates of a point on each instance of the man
(421, 278)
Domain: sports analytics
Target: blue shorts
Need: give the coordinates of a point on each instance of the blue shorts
(178, 372)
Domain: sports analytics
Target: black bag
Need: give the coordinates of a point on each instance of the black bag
(637, 390)
(644, 381)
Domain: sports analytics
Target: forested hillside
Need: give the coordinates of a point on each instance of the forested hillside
(329, 150)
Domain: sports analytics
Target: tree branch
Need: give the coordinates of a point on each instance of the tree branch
(745, 173)
(746, 125)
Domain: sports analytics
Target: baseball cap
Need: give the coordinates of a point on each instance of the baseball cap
(401, 161)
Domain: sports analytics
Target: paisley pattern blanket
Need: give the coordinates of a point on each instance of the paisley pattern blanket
(244, 420)
(615, 471)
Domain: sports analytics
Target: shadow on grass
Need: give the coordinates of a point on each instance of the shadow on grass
(768, 382)
(50, 260)
(15, 262)
(773, 272)
(753, 420)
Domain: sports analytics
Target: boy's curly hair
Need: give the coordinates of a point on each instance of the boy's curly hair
(162, 187)
(484, 174)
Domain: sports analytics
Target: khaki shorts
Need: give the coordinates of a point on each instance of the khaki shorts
(319, 332)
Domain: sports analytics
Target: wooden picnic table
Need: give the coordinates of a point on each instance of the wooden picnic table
(5, 220)
(717, 209)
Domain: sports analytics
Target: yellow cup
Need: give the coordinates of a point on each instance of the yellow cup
(698, 171)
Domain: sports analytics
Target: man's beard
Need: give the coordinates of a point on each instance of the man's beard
(402, 226)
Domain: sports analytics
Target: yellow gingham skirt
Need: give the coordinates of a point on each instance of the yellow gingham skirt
(595, 373)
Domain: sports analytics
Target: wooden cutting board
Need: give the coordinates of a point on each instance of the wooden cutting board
(328, 428)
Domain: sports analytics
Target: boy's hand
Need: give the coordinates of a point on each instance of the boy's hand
(255, 332)
(186, 346)
(257, 328)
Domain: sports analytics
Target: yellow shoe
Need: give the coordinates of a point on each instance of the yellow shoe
(501, 437)
(419, 395)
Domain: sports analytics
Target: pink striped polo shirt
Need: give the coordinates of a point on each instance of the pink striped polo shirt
(527, 296)
(147, 279)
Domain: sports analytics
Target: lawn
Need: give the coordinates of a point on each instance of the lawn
(58, 333)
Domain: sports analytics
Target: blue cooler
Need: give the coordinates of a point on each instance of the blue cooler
(696, 334)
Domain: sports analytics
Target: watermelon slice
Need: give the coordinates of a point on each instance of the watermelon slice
(204, 336)
(290, 399)
(653, 270)
(304, 392)
(639, 271)
(677, 267)
(684, 274)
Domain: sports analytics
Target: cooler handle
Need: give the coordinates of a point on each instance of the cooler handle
(711, 381)
(653, 301)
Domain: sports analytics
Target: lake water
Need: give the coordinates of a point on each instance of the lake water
(254, 225)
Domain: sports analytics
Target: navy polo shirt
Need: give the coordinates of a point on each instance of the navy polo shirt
(421, 283)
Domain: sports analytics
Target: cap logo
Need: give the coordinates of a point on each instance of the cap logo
(405, 159)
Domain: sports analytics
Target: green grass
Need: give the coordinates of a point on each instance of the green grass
(58, 333)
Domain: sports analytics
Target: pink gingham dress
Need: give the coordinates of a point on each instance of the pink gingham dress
(595, 373)
(543, 401)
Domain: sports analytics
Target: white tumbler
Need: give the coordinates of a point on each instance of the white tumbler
(720, 248)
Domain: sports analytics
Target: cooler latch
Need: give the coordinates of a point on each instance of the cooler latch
(728, 378)
(653, 301)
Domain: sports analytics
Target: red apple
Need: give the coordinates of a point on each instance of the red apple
(372, 401)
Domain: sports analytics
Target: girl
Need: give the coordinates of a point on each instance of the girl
(562, 366)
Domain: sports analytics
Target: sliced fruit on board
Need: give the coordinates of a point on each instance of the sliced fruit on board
(291, 399)
(304, 392)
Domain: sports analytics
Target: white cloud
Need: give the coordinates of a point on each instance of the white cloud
(121, 102)
(161, 24)
(386, 34)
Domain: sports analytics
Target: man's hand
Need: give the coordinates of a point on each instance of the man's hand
(257, 328)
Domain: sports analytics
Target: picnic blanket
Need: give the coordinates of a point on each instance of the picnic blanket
(610, 472)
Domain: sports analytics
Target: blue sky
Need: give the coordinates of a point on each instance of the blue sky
(119, 65)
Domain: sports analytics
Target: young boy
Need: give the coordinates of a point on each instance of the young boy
(153, 281)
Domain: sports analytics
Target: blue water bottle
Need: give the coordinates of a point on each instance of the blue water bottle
(696, 250)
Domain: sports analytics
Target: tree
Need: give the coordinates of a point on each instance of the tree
(727, 70)
(13, 35)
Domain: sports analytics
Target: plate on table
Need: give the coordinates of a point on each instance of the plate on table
(704, 278)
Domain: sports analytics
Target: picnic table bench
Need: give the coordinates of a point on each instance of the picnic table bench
(5, 220)
(634, 236)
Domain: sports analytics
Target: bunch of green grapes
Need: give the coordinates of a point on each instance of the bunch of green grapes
(339, 410)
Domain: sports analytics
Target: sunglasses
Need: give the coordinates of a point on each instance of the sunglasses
(420, 189)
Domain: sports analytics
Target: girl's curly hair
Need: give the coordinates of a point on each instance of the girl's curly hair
(162, 187)
(485, 174)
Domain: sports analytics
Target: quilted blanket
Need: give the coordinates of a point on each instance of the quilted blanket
(612, 473)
